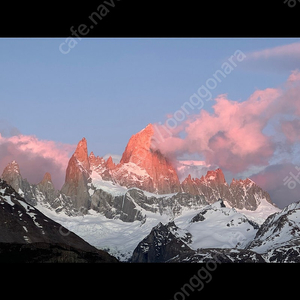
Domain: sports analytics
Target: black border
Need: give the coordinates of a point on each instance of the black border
(268, 18)
(135, 18)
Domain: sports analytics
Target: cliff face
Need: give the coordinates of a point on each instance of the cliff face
(239, 194)
(145, 168)
(11, 174)
(77, 176)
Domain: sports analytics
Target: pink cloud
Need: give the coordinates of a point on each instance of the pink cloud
(294, 77)
(276, 59)
(36, 157)
(279, 51)
(291, 130)
(234, 135)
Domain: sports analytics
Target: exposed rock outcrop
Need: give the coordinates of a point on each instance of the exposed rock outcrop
(77, 177)
(145, 168)
(27, 235)
(239, 194)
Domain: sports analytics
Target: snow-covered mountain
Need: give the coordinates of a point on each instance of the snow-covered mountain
(278, 238)
(188, 243)
(147, 169)
(114, 206)
(213, 226)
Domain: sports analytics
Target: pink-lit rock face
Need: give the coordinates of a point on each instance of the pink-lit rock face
(81, 154)
(145, 168)
(11, 174)
(240, 193)
(77, 175)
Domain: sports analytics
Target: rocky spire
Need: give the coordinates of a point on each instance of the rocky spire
(138, 146)
(239, 194)
(109, 163)
(81, 154)
(47, 188)
(11, 168)
(142, 167)
(77, 175)
(46, 178)
(11, 174)
(217, 176)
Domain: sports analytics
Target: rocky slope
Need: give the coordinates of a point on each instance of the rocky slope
(25, 231)
(143, 189)
(214, 226)
(239, 194)
(11, 174)
(89, 181)
(278, 238)
(169, 243)
(206, 236)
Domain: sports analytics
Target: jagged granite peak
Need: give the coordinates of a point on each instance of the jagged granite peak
(11, 174)
(109, 163)
(47, 188)
(138, 145)
(216, 175)
(239, 194)
(46, 179)
(77, 176)
(96, 163)
(81, 154)
(12, 167)
(100, 166)
(146, 168)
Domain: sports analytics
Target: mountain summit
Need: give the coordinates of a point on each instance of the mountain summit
(146, 168)
(77, 175)
(11, 174)
(81, 154)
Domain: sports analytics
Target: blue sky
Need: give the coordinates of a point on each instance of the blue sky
(108, 89)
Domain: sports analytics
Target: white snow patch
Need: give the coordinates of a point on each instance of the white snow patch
(107, 186)
(221, 228)
(259, 215)
(121, 238)
(8, 200)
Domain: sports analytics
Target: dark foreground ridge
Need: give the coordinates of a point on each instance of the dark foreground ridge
(27, 235)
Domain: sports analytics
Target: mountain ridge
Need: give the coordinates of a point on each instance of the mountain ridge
(140, 167)
(140, 191)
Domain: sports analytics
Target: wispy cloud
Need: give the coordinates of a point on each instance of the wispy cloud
(260, 133)
(290, 50)
(280, 58)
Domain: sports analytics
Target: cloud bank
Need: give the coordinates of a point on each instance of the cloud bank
(238, 136)
(36, 157)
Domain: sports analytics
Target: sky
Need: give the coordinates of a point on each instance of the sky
(229, 102)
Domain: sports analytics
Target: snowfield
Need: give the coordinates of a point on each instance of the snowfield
(113, 235)
(223, 227)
